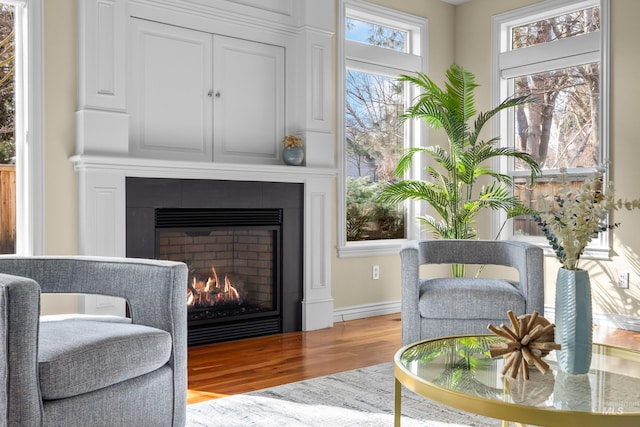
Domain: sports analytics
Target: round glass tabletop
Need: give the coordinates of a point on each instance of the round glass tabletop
(460, 373)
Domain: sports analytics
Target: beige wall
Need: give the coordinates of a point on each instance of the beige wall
(60, 82)
(60, 182)
(625, 151)
(460, 34)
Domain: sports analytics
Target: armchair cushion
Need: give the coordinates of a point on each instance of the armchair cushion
(469, 298)
(79, 356)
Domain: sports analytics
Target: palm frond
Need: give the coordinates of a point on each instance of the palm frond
(499, 177)
(442, 157)
(406, 160)
(484, 117)
(460, 87)
(497, 196)
(487, 151)
(448, 109)
(398, 192)
(439, 229)
(520, 210)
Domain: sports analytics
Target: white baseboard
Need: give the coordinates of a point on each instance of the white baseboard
(365, 310)
(378, 309)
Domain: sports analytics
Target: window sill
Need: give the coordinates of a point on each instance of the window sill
(370, 248)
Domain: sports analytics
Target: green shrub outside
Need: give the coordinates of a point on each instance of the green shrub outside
(368, 218)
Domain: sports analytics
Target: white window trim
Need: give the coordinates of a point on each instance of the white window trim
(357, 54)
(600, 248)
(537, 59)
(30, 129)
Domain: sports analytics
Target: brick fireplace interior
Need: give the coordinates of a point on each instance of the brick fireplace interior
(242, 242)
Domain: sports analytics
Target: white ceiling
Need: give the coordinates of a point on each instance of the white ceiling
(456, 2)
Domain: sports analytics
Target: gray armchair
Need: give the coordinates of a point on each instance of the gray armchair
(93, 371)
(436, 306)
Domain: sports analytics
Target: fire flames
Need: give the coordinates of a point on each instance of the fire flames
(212, 291)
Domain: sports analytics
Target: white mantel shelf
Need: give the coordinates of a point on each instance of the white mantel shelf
(149, 168)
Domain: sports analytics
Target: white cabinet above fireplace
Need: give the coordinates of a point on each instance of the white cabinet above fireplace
(146, 68)
(205, 97)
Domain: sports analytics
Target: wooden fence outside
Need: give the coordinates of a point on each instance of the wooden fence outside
(7, 209)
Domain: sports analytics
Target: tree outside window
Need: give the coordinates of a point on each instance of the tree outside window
(374, 141)
(7, 97)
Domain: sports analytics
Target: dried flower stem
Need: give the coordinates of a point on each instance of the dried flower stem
(578, 218)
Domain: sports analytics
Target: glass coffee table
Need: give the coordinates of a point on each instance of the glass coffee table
(460, 373)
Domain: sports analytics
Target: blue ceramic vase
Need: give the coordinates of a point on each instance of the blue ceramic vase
(573, 319)
(293, 156)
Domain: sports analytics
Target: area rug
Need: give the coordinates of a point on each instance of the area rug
(357, 398)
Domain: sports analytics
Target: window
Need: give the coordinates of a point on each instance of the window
(22, 93)
(377, 45)
(7, 129)
(556, 54)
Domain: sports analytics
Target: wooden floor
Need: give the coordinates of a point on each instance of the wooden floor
(222, 369)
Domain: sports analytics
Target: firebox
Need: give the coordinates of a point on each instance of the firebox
(233, 257)
(239, 284)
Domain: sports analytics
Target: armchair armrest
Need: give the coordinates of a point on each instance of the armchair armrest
(19, 312)
(532, 277)
(410, 279)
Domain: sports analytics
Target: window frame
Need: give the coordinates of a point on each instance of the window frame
(29, 126)
(353, 55)
(507, 64)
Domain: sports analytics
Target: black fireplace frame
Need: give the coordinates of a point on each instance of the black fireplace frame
(144, 196)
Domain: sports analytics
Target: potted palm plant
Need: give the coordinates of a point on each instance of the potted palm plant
(455, 185)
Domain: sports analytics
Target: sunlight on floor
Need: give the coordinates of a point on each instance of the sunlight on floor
(195, 396)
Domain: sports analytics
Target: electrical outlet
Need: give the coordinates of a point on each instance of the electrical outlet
(375, 272)
(623, 280)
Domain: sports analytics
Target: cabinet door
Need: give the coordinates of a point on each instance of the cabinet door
(248, 81)
(171, 99)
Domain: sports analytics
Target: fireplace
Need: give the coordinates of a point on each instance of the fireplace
(235, 245)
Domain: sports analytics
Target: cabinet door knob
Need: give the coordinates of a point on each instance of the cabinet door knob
(210, 94)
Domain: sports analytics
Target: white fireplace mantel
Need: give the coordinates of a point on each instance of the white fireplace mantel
(102, 183)
(103, 157)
